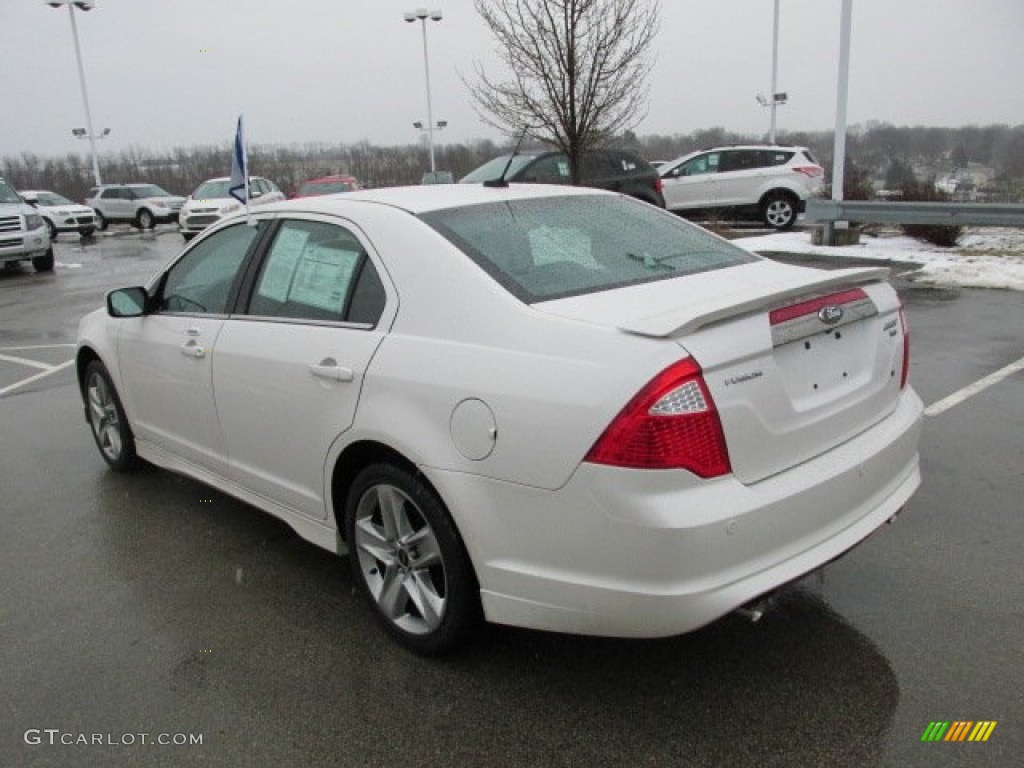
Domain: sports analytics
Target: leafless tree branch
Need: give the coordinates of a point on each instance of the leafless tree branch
(577, 70)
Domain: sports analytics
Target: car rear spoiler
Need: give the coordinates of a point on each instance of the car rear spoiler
(748, 297)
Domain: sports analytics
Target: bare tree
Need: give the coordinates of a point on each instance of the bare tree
(577, 70)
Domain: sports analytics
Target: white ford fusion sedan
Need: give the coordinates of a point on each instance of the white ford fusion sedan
(548, 407)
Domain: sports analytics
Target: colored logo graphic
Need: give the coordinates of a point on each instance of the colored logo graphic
(959, 730)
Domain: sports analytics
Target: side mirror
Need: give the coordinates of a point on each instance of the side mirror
(127, 302)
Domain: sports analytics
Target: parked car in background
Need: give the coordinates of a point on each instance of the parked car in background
(758, 181)
(617, 170)
(549, 406)
(142, 205)
(211, 201)
(23, 232)
(327, 185)
(438, 177)
(61, 214)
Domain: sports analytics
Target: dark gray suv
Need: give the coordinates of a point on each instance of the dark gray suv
(616, 169)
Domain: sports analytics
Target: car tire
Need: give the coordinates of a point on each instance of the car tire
(51, 228)
(408, 560)
(107, 420)
(87, 232)
(186, 236)
(101, 221)
(145, 220)
(44, 263)
(779, 210)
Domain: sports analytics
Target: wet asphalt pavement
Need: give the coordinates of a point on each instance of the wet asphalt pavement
(150, 604)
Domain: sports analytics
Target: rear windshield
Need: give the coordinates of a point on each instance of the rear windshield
(492, 169)
(556, 247)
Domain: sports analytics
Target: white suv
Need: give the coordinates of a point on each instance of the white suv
(142, 205)
(762, 181)
(23, 234)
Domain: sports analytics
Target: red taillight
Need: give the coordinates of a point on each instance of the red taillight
(671, 423)
(658, 186)
(810, 307)
(810, 171)
(905, 370)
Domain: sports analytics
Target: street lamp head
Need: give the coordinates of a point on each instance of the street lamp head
(418, 124)
(78, 133)
(442, 123)
(435, 15)
(106, 132)
(409, 16)
(79, 4)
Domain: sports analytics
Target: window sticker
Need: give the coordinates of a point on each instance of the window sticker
(322, 277)
(277, 277)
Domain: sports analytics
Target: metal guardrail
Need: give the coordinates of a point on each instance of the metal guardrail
(970, 214)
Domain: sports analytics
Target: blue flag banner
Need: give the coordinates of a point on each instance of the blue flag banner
(239, 187)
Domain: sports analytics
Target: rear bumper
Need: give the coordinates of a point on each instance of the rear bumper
(649, 554)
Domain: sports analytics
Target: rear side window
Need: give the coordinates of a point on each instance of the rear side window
(318, 272)
(777, 157)
(566, 246)
(552, 169)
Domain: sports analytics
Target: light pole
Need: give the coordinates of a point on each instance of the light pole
(82, 6)
(422, 14)
(776, 98)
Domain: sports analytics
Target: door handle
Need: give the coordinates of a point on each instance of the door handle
(328, 368)
(191, 349)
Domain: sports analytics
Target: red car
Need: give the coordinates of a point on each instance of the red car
(327, 185)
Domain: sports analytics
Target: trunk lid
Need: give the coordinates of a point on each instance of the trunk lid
(797, 360)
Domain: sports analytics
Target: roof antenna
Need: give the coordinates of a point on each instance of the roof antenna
(500, 181)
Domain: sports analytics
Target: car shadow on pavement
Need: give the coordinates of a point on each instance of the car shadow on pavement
(196, 612)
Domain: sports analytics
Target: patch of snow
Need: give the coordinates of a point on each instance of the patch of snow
(983, 258)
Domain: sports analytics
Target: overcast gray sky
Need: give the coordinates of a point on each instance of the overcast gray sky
(167, 73)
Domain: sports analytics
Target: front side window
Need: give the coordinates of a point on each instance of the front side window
(317, 272)
(200, 282)
(566, 246)
(700, 165)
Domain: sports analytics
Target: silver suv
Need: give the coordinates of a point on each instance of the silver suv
(142, 205)
(23, 234)
(760, 181)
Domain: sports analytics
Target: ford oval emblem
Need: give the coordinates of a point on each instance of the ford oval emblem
(830, 315)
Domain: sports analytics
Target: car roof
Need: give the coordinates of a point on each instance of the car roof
(432, 197)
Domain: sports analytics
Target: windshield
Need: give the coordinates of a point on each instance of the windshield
(52, 198)
(493, 168)
(552, 248)
(150, 190)
(212, 190)
(7, 194)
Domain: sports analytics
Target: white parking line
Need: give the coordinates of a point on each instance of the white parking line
(970, 390)
(26, 361)
(37, 346)
(41, 375)
(46, 369)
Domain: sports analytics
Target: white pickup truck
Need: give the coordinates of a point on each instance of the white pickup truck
(23, 233)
